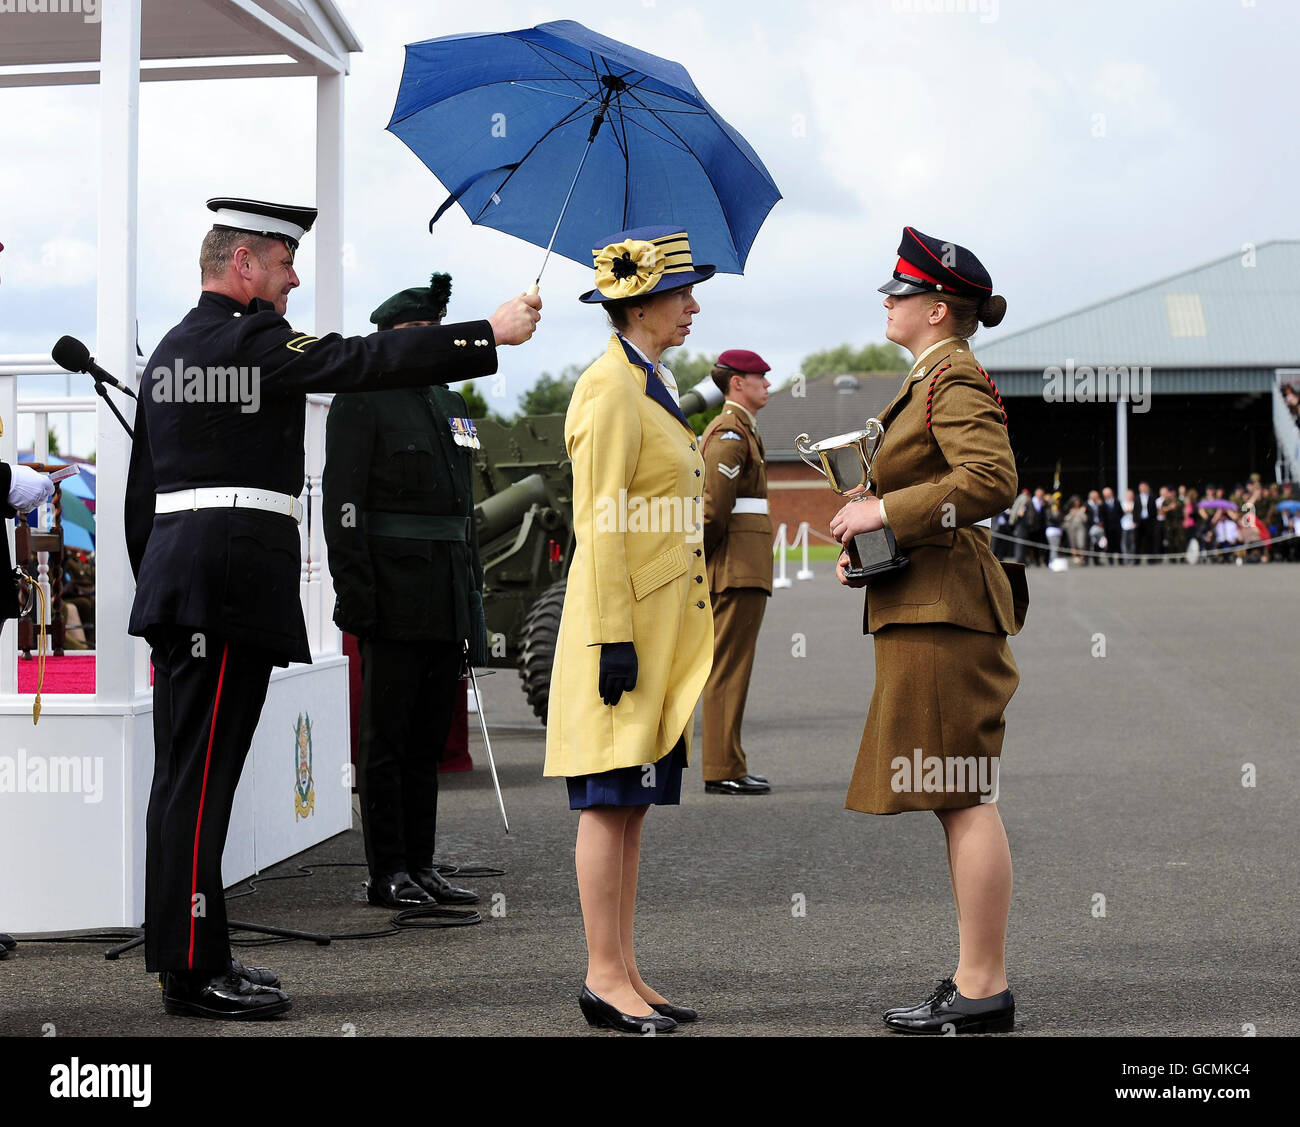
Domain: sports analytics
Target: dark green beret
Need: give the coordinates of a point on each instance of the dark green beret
(420, 303)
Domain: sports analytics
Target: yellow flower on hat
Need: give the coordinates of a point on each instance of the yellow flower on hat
(628, 268)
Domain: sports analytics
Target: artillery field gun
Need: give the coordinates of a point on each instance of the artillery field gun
(523, 491)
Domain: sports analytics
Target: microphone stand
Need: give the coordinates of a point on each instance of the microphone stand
(102, 392)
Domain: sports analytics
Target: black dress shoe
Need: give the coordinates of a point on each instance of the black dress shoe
(441, 889)
(397, 890)
(8, 942)
(223, 996)
(679, 1014)
(258, 976)
(948, 1007)
(758, 778)
(938, 993)
(599, 1012)
(746, 784)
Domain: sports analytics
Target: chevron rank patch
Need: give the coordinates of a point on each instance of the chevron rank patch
(732, 472)
(732, 434)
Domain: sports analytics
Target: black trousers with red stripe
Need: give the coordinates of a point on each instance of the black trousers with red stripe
(207, 698)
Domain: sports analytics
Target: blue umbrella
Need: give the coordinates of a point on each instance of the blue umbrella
(560, 137)
(1288, 506)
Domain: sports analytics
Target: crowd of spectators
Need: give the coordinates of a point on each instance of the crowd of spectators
(1251, 523)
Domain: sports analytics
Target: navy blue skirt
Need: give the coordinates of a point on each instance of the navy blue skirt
(650, 784)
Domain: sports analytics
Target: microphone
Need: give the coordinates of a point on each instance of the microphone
(73, 356)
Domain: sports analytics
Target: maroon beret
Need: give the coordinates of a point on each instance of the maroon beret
(742, 360)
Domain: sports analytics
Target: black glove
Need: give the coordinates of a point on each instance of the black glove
(618, 669)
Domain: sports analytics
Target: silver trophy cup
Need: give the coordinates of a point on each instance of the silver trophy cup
(845, 462)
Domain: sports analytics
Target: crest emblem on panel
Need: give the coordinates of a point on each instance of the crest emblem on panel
(304, 798)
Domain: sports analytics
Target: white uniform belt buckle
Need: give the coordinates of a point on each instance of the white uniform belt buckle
(750, 505)
(229, 497)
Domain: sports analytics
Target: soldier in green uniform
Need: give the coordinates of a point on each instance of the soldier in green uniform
(399, 524)
(738, 552)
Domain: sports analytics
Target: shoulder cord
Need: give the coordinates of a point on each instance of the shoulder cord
(929, 399)
(42, 639)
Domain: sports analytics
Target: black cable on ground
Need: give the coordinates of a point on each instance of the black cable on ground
(423, 918)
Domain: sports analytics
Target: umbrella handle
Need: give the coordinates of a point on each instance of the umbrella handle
(532, 290)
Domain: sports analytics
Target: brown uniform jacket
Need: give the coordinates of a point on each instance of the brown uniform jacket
(944, 464)
(737, 546)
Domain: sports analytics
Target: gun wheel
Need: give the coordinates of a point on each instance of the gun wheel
(537, 646)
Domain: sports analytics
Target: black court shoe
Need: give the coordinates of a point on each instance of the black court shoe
(947, 1008)
(679, 1014)
(599, 1012)
(223, 996)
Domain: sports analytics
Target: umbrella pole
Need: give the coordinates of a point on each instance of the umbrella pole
(595, 128)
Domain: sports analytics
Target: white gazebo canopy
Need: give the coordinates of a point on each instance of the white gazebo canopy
(57, 42)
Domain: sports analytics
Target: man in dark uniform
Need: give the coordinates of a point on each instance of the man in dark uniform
(212, 533)
(403, 550)
(738, 552)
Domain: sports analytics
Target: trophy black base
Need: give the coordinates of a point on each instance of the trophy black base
(874, 556)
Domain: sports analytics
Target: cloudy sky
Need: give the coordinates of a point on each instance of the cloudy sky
(1080, 149)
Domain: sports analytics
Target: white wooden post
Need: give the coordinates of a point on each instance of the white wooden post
(119, 108)
(328, 231)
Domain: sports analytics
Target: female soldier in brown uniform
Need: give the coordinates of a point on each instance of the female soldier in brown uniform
(944, 670)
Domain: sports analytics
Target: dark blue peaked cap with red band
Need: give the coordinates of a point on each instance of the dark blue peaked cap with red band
(928, 265)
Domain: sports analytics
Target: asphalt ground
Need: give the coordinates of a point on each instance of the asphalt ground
(1155, 894)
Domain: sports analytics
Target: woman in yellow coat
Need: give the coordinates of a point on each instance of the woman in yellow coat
(636, 637)
(944, 670)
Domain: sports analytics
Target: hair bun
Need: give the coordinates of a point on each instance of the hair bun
(991, 310)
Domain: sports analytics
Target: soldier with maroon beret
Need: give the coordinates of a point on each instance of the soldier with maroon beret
(738, 552)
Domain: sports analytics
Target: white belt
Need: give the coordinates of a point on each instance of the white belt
(229, 498)
(750, 505)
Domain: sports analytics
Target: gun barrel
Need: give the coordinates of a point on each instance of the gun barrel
(503, 511)
(701, 397)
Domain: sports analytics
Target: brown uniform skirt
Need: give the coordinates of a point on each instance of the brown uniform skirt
(934, 729)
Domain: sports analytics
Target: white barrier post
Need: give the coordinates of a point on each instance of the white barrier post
(778, 550)
(804, 572)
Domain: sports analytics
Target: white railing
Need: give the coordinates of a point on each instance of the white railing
(316, 589)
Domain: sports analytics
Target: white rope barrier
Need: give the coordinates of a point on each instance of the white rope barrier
(1062, 551)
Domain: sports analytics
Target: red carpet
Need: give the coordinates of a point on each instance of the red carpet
(62, 674)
